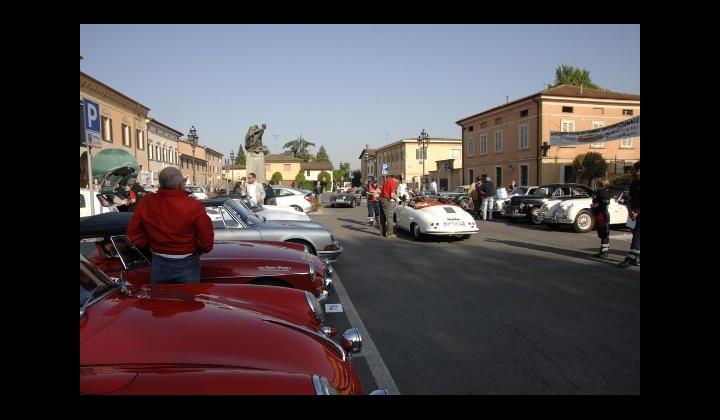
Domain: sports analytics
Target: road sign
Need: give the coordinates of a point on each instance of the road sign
(385, 168)
(92, 123)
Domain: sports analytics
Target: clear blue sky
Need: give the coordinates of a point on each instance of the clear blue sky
(343, 86)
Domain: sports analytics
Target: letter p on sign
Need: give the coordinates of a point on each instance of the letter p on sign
(92, 116)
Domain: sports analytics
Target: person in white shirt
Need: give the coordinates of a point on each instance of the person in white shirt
(433, 187)
(401, 189)
(255, 193)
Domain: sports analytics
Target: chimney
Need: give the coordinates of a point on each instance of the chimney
(507, 98)
(545, 86)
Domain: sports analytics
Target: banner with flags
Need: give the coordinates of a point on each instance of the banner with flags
(621, 130)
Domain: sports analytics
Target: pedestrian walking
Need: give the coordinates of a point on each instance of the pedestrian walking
(633, 205)
(388, 196)
(433, 187)
(373, 199)
(175, 227)
(402, 193)
(599, 209)
(317, 190)
(487, 190)
(476, 196)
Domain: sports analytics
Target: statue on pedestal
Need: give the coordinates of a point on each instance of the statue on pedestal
(253, 140)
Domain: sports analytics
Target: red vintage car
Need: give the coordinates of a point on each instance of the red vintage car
(207, 339)
(255, 262)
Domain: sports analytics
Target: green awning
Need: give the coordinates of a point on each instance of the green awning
(109, 159)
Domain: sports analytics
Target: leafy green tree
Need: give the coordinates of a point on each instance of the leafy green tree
(240, 158)
(326, 182)
(590, 166)
(276, 178)
(300, 179)
(322, 155)
(569, 75)
(299, 148)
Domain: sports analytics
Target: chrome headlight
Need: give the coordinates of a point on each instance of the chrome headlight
(322, 386)
(312, 272)
(315, 307)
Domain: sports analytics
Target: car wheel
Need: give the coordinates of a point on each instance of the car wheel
(466, 236)
(535, 216)
(415, 228)
(583, 222)
(296, 207)
(512, 219)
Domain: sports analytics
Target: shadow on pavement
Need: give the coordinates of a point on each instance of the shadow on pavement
(354, 221)
(364, 230)
(562, 251)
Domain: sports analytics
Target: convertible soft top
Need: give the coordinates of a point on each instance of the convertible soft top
(104, 224)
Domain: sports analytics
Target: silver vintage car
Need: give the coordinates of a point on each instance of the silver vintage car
(238, 222)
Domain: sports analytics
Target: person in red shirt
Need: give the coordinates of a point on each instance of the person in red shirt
(175, 227)
(387, 203)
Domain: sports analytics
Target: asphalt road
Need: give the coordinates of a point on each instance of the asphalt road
(516, 309)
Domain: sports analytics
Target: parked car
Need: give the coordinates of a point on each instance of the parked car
(267, 211)
(528, 206)
(207, 339)
(295, 198)
(240, 223)
(575, 210)
(427, 216)
(345, 199)
(106, 201)
(198, 192)
(459, 198)
(518, 190)
(254, 262)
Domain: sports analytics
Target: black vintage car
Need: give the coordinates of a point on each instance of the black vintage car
(528, 206)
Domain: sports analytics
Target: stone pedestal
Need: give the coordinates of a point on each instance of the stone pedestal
(255, 162)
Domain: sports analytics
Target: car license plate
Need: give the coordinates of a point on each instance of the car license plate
(340, 200)
(453, 224)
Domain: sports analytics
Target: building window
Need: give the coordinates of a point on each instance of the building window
(627, 111)
(498, 141)
(307, 173)
(524, 113)
(176, 157)
(598, 144)
(157, 153)
(483, 124)
(126, 140)
(598, 111)
(471, 176)
(471, 146)
(164, 154)
(498, 177)
(567, 109)
(567, 126)
(140, 139)
(470, 128)
(498, 120)
(286, 167)
(524, 172)
(150, 150)
(455, 154)
(524, 137)
(626, 143)
(106, 129)
(420, 154)
(483, 145)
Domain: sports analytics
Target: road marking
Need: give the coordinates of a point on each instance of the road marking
(622, 237)
(379, 370)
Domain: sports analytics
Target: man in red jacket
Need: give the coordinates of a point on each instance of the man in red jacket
(175, 227)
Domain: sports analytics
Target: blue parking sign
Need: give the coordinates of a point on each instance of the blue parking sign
(92, 116)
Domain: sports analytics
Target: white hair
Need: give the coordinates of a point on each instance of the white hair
(488, 179)
(171, 178)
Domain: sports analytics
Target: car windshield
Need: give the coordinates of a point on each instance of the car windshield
(195, 189)
(93, 283)
(243, 212)
(542, 191)
(518, 191)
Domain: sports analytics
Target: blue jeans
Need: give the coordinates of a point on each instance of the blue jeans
(373, 207)
(168, 270)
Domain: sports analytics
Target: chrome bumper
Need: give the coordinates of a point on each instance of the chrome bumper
(330, 256)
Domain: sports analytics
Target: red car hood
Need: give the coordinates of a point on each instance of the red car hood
(176, 327)
(250, 250)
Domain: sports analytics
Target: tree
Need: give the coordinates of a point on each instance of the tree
(590, 166)
(276, 178)
(300, 179)
(298, 148)
(569, 75)
(240, 158)
(324, 179)
(322, 155)
(342, 174)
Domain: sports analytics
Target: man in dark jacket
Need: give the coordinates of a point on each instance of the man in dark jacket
(599, 208)
(633, 204)
(487, 190)
(269, 195)
(175, 227)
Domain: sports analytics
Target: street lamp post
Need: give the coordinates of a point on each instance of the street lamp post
(423, 142)
(232, 162)
(193, 139)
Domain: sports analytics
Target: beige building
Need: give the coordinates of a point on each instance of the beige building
(447, 175)
(506, 142)
(234, 174)
(162, 148)
(122, 122)
(288, 166)
(405, 157)
(313, 169)
(213, 168)
(187, 166)
(368, 164)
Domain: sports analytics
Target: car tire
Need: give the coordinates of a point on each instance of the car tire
(584, 222)
(535, 217)
(466, 236)
(512, 219)
(415, 229)
(296, 207)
